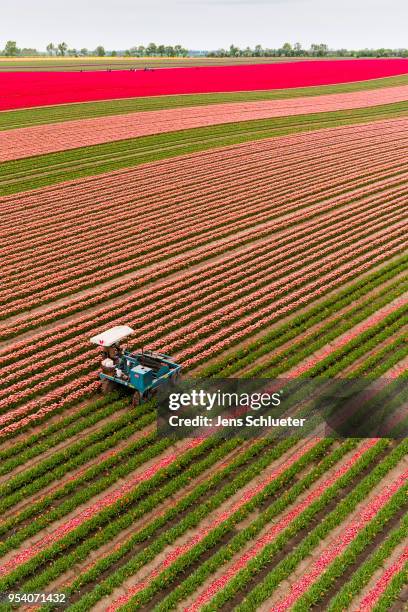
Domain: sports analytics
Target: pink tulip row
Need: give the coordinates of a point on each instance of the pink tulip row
(47, 138)
(368, 603)
(25, 205)
(42, 229)
(33, 405)
(237, 331)
(208, 271)
(340, 543)
(215, 522)
(14, 395)
(227, 224)
(268, 299)
(108, 500)
(90, 228)
(171, 250)
(277, 528)
(278, 176)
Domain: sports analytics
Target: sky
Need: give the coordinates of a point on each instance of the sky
(204, 24)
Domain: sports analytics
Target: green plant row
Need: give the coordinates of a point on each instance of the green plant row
(79, 452)
(298, 351)
(392, 591)
(66, 561)
(158, 523)
(360, 578)
(352, 552)
(341, 358)
(284, 568)
(222, 556)
(166, 577)
(248, 534)
(72, 425)
(118, 463)
(193, 519)
(68, 112)
(242, 357)
(90, 475)
(106, 514)
(31, 173)
(397, 350)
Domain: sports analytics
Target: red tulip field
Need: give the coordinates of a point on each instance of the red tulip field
(246, 238)
(28, 89)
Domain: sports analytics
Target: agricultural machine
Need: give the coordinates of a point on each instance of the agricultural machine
(142, 372)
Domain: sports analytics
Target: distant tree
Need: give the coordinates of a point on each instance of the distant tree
(178, 49)
(100, 51)
(161, 50)
(51, 49)
(141, 50)
(11, 48)
(151, 49)
(319, 50)
(286, 49)
(169, 51)
(62, 48)
(258, 50)
(28, 51)
(114, 53)
(297, 49)
(84, 51)
(127, 53)
(72, 52)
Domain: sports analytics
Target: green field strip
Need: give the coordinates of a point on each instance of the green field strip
(105, 516)
(66, 112)
(391, 593)
(351, 555)
(360, 578)
(242, 357)
(180, 567)
(53, 468)
(264, 589)
(182, 516)
(196, 516)
(57, 167)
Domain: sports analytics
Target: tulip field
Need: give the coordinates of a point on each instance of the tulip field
(248, 237)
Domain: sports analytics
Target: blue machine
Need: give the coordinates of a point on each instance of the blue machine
(143, 372)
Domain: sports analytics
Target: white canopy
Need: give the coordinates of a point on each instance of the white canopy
(113, 335)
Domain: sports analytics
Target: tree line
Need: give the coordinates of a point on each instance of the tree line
(152, 49)
(296, 50)
(62, 50)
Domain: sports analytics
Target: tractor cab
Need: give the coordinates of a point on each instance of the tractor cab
(142, 372)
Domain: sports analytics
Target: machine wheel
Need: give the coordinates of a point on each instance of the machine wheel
(108, 386)
(136, 399)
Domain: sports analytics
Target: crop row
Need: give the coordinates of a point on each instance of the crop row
(181, 179)
(38, 140)
(284, 568)
(178, 242)
(161, 244)
(254, 496)
(123, 499)
(211, 275)
(34, 404)
(54, 168)
(73, 365)
(170, 570)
